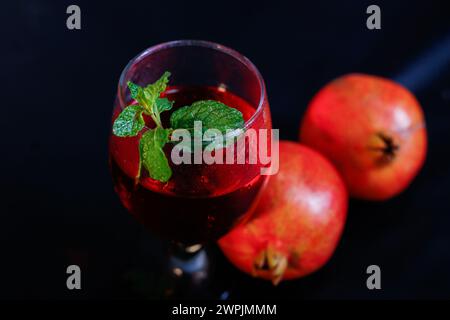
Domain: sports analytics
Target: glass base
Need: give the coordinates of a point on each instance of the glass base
(187, 272)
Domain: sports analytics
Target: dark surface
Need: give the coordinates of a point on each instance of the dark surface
(58, 87)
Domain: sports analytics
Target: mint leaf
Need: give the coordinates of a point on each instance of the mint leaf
(212, 114)
(149, 98)
(152, 91)
(129, 122)
(137, 93)
(152, 154)
(163, 104)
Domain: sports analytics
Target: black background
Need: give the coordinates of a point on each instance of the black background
(58, 85)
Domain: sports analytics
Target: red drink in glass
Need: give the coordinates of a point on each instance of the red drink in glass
(200, 202)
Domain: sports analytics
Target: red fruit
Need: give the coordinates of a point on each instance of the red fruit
(297, 222)
(372, 129)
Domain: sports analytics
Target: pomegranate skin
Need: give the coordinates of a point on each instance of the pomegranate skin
(297, 222)
(372, 129)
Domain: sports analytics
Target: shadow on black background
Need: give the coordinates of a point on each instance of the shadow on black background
(58, 87)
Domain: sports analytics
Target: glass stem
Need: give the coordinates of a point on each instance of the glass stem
(189, 269)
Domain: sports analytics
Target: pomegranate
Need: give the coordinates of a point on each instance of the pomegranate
(372, 129)
(297, 222)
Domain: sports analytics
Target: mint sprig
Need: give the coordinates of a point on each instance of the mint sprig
(213, 115)
(149, 99)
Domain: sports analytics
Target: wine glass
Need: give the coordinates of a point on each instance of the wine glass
(200, 202)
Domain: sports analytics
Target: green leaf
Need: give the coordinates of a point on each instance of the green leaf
(149, 98)
(163, 104)
(137, 93)
(152, 154)
(159, 86)
(212, 114)
(129, 122)
(153, 91)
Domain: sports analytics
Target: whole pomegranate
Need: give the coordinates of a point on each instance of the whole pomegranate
(372, 129)
(297, 222)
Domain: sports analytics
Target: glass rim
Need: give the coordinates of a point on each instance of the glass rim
(122, 86)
